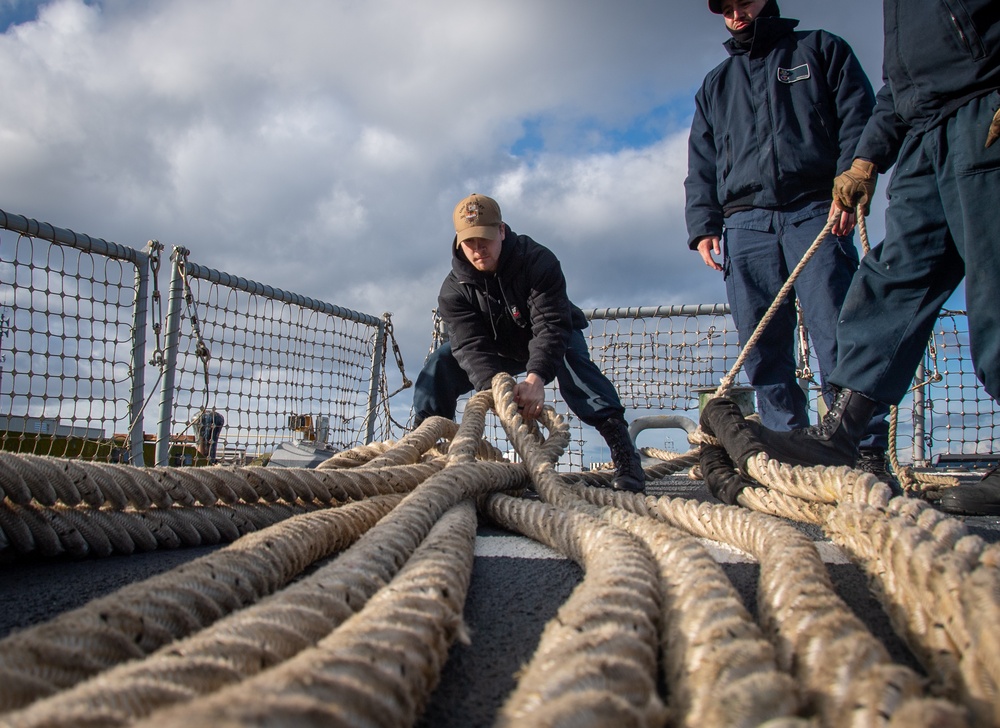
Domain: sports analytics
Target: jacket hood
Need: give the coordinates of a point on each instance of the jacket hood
(767, 32)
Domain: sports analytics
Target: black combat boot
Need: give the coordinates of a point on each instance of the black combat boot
(834, 441)
(628, 464)
(720, 475)
(976, 499)
(872, 460)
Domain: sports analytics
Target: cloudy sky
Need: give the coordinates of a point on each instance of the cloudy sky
(319, 146)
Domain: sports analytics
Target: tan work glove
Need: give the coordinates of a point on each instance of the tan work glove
(856, 186)
(994, 133)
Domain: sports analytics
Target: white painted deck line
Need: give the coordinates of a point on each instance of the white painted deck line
(519, 547)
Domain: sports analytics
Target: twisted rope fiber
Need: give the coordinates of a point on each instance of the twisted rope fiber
(596, 660)
(939, 587)
(882, 688)
(775, 503)
(33, 478)
(465, 445)
(463, 452)
(355, 456)
(819, 483)
(378, 667)
(142, 617)
(141, 685)
(900, 559)
(415, 444)
(802, 493)
(86, 531)
(679, 460)
(814, 484)
(421, 443)
(719, 668)
(847, 676)
(926, 635)
(720, 671)
(982, 613)
(601, 478)
(47, 480)
(412, 448)
(275, 630)
(885, 543)
(909, 479)
(398, 534)
(727, 381)
(538, 459)
(796, 482)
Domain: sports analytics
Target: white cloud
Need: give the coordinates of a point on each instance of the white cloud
(319, 147)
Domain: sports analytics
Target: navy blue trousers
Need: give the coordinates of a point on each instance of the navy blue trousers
(942, 223)
(762, 249)
(587, 392)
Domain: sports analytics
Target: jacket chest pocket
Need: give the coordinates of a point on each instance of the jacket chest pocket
(968, 35)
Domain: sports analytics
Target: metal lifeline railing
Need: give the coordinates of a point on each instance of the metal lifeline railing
(75, 325)
(74, 344)
(659, 358)
(662, 359)
(38, 314)
(314, 344)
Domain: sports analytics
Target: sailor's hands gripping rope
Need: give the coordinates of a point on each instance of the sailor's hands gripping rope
(530, 396)
(851, 189)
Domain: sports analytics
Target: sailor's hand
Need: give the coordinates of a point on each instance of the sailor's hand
(530, 396)
(708, 245)
(843, 221)
(994, 133)
(856, 186)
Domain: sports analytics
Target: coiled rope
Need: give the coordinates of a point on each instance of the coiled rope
(253, 646)
(832, 497)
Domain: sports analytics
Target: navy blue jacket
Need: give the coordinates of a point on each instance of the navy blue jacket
(939, 54)
(773, 126)
(519, 315)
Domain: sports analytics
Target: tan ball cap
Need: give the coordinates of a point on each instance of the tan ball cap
(477, 216)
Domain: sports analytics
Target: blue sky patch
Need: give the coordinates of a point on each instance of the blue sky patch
(15, 12)
(554, 133)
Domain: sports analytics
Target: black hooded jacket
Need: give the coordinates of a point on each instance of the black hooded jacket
(938, 55)
(518, 317)
(773, 125)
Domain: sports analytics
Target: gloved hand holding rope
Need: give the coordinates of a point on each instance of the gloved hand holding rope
(856, 186)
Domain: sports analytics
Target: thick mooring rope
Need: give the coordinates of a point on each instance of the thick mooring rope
(923, 581)
(846, 502)
(842, 692)
(846, 674)
(654, 634)
(395, 646)
(183, 506)
(145, 616)
(719, 667)
(598, 656)
(938, 583)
